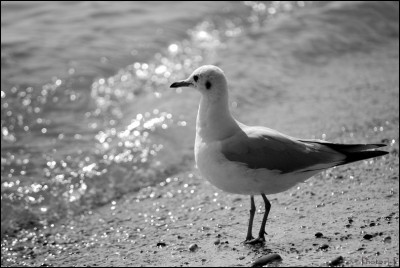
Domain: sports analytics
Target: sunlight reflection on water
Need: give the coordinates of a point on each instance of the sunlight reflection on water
(67, 148)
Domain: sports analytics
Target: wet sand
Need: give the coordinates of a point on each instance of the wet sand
(350, 98)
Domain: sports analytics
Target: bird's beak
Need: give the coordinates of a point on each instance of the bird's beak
(183, 83)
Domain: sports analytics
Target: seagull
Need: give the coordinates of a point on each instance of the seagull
(252, 160)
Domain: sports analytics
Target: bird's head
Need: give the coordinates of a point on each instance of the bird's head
(209, 80)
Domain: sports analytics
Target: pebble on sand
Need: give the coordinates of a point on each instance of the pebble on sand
(318, 235)
(266, 259)
(367, 236)
(193, 247)
(324, 247)
(387, 239)
(336, 261)
(161, 244)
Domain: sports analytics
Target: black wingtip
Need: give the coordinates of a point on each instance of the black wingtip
(358, 156)
(380, 145)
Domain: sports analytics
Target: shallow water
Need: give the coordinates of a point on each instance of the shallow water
(86, 112)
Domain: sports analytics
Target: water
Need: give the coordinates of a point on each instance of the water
(86, 110)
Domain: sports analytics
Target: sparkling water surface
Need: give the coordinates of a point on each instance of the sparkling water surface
(86, 112)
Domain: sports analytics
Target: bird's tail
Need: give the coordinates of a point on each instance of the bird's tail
(354, 152)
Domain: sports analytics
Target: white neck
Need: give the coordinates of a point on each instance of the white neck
(214, 121)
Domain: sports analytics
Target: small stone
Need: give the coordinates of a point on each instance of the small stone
(367, 236)
(318, 235)
(193, 247)
(266, 259)
(216, 242)
(161, 244)
(324, 247)
(336, 261)
(387, 240)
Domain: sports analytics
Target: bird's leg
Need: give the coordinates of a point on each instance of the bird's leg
(261, 234)
(264, 221)
(249, 236)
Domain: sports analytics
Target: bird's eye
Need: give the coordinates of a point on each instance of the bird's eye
(195, 78)
(208, 85)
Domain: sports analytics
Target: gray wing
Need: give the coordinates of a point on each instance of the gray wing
(259, 147)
